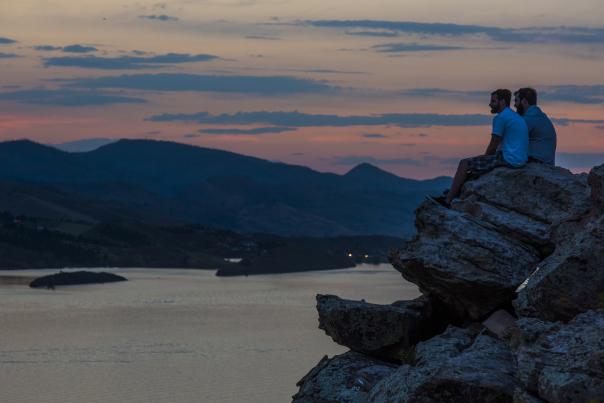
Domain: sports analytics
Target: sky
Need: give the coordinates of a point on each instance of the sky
(401, 84)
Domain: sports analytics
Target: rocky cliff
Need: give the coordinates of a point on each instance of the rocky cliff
(512, 309)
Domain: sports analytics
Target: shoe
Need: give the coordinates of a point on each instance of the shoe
(442, 200)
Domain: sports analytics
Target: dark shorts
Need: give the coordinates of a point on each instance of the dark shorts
(482, 164)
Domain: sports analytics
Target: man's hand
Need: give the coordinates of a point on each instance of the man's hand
(492, 147)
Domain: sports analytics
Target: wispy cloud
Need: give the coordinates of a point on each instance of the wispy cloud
(261, 85)
(580, 94)
(47, 48)
(381, 34)
(360, 159)
(570, 121)
(8, 55)
(263, 37)
(413, 47)
(79, 49)
(561, 34)
(64, 97)
(160, 17)
(445, 93)
(67, 49)
(126, 62)
(6, 41)
(248, 132)
(298, 119)
(374, 136)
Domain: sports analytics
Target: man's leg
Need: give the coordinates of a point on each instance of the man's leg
(460, 178)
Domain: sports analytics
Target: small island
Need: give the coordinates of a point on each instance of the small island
(75, 278)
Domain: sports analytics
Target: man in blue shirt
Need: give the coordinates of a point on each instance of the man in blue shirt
(542, 134)
(508, 146)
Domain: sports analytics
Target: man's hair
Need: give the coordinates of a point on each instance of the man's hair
(504, 94)
(530, 94)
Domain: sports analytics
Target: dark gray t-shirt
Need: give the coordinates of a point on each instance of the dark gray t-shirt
(542, 135)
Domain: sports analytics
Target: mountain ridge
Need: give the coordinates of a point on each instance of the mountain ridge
(197, 185)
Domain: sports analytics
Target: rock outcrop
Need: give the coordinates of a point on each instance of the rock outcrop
(345, 378)
(562, 363)
(571, 280)
(474, 256)
(524, 247)
(457, 366)
(385, 331)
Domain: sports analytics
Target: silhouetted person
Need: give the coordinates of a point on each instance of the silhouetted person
(542, 134)
(508, 146)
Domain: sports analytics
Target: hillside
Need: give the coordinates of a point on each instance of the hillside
(170, 183)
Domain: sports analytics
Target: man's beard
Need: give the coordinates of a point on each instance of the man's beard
(520, 109)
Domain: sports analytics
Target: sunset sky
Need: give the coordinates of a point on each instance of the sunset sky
(402, 84)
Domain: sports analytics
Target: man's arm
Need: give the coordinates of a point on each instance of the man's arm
(492, 147)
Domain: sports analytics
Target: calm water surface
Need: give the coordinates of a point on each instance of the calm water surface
(173, 335)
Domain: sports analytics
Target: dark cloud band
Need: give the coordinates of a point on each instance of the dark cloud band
(67, 98)
(126, 62)
(6, 41)
(160, 17)
(412, 47)
(248, 132)
(260, 85)
(297, 119)
(562, 34)
(580, 94)
(79, 49)
(8, 55)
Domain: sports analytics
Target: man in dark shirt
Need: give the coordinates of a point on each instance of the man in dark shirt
(542, 134)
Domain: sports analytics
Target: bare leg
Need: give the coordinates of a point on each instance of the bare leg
(460, 178)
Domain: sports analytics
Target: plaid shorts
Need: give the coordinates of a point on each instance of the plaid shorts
(482, 164)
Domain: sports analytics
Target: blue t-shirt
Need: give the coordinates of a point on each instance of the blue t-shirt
(542, 135)
(514, 137)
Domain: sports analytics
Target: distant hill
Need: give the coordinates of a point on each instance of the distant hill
(171, 183)
(83, 145)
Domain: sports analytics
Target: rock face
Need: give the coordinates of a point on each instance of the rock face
(457, 366)
(474, 256)
(464, 262)
(74, 278)
(571, 280)
(562, 363)
(521, 247)
(345, 378)
(378, 330)
(596, 182)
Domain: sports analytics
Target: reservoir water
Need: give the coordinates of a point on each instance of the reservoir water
(172, 335)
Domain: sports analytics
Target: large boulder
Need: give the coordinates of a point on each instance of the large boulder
(561, 362)
(571, 280)
(540, 192)
(379, 330)
(345, 378)
(457, 366)
(473, 257)
(464, 262)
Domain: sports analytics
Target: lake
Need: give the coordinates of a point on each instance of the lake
(173, 335)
